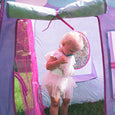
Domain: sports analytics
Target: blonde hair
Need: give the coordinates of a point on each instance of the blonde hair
(73, 37)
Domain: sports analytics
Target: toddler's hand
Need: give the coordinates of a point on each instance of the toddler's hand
(63, 59)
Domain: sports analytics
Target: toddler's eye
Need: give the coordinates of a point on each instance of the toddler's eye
(72, 51)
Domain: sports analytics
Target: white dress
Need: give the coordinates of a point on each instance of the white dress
(58, 82)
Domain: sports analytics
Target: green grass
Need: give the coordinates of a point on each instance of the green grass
(18, 99)
(96, 108)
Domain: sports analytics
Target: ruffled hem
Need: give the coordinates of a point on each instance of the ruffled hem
(56, 83)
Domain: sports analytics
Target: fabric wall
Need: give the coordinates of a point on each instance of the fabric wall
(7, 50)
(107, 23)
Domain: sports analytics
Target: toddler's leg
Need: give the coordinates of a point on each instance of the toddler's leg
(64, 106)
(55, 102)
(54, 106)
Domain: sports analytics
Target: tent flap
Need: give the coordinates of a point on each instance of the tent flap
(75, 9)
(83, 9)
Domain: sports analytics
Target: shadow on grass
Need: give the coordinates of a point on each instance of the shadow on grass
(96, 108)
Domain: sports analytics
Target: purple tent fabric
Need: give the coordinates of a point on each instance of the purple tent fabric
(7, 50)
(107, 23)
(111, 40)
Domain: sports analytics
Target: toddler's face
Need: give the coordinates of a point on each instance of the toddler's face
(69, 49)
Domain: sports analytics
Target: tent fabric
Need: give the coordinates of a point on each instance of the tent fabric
(111, 41)
(75, 9)
(107, 23)
(26, 11)
(38, 104)
(83, 8)
(25, 61)
(1, 12)
(7, 52)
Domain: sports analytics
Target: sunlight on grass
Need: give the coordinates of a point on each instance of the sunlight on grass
(18, 99)
(18, 96)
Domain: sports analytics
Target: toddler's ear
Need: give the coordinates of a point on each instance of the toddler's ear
(62, 44)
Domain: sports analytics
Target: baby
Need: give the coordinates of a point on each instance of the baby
(57, 80)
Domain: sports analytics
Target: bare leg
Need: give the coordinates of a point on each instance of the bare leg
(64, 106)
(54, 106)
(55, 102)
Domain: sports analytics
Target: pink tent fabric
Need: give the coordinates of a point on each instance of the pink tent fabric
(27, 68)
(1, 13)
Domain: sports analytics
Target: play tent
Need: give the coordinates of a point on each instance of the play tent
(22, 41)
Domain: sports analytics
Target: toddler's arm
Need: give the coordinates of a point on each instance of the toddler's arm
(53, 62)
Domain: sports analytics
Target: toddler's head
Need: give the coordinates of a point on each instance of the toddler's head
(74, 41)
